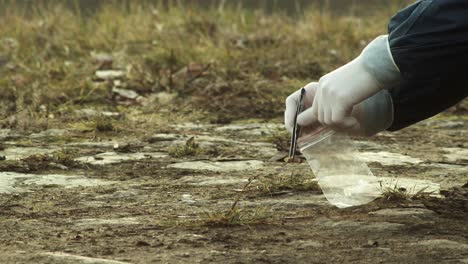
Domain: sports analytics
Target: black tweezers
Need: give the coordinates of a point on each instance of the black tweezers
(295, 134)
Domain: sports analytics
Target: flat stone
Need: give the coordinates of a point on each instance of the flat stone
(93, 144)
(114, 157)
(119, 194)
(388, 158)
(303, 244)
(49, 133)
(164, 137)
(8, 134)
(66, 181)
(456, 154)
(443, 244)
(361, 226)
(17, 153)
(448, 167)
(251, 129)
(209, 140)
(217, 139)
(299, 201)
(279, 156)
(402, 212)
(111, 221)
(187, 199)
(208, 181)
(11, 182)
(219, 166)
(285, 201)
(81, 259)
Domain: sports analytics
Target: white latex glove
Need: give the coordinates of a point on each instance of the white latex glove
(335, 96)
(309, 100)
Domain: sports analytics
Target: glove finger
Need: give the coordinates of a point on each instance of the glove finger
(319, 107)
(327, 116)
(311, 90)
(349, 125)
(290, 112)
(291, 104)
(346, 124)
(307, 118)
(341, 119)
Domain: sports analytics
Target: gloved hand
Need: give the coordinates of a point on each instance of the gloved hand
(335, 97)
(373, 115)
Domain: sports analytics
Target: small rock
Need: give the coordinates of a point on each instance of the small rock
(59, 166)
(92, 113)
(279, 157)
(124, 147)
(372, 243)
(109, 74)
(125, 93)
(163, 137)
(187, 199)
(293, 160)
(185, 255)
(143, 244)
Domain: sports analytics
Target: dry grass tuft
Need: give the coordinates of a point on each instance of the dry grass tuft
(236, 216)
(396, 193)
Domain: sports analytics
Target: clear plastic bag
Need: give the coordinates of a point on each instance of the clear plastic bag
(345, 180)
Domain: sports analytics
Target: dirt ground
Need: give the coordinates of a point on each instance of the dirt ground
(126, 200)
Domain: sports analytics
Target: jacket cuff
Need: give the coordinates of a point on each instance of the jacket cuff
(377, 59)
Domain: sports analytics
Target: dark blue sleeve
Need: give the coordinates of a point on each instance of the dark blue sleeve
(429, 44)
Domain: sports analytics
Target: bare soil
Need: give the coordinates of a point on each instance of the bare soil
(153, 212)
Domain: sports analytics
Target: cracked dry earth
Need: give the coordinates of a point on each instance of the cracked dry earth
(137, 204)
